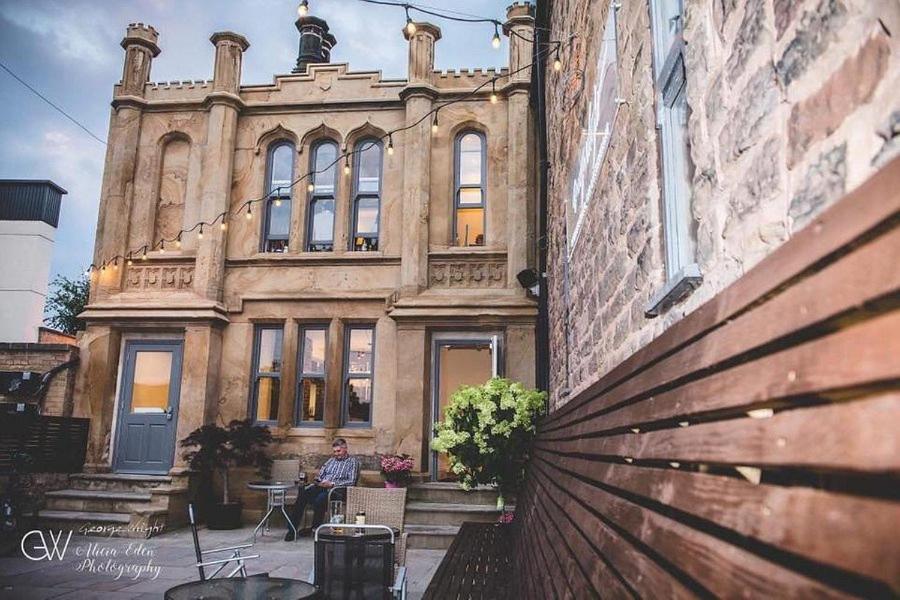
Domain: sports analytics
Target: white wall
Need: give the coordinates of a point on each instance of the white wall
(26, 248)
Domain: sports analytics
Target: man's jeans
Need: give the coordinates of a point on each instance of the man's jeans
(319, 497)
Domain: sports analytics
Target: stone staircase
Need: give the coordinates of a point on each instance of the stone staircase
(117, 505)
(434, 512)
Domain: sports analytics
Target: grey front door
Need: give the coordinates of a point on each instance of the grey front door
(148, 409)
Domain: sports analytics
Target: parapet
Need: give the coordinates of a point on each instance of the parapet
(142, 35)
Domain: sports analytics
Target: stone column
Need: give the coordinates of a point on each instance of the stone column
(286, 416)
(218, 159)
(199, 400)
(412, 420)
(95, 391)
(116, 196)
(418, 97)
(520, 194)
(334, 383)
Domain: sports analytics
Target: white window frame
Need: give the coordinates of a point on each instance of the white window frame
(682, 272)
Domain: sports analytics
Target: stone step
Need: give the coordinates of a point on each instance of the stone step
(100, 501)
(430, 537)
(117, 481)
(450, 493)
(445, 513)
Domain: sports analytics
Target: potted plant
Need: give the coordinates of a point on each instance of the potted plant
(487, 434)
(396, 469)
(219, 449)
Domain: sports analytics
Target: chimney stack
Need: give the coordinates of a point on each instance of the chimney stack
(315, 42)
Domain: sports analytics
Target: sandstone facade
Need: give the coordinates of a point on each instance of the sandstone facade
(185, 152)
(790, 104)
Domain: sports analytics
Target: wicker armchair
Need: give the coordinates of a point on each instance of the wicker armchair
(383, 506)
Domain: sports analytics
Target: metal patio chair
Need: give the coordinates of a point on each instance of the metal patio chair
(236, 560)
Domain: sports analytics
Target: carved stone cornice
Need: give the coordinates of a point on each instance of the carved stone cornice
(470, 272)
(159, 277)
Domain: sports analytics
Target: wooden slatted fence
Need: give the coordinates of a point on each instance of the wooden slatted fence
(753, 449)
(55, 444)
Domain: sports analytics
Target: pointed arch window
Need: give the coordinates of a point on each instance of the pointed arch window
(320, 216)
(366, 195)
(469, 195)
(279, 176)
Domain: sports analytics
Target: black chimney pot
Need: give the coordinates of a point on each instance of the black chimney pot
(315, 42)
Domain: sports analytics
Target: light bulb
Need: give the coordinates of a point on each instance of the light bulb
(310, 187)
(130, 262)
(347, 167)
(434, 126)
(495, 41)
(144, 255)
(178, 241)
(277, 201)
(162, 247)
(390, 148)
(249, 213)
(493, 97)
(115, 265)
(223, 226)
(200, 233)
(410, 26)
(303, 9)
(557, 63)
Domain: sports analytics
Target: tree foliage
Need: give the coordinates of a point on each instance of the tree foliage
(487, 432)
(65, 302)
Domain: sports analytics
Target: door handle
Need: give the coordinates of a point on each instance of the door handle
(168, 413)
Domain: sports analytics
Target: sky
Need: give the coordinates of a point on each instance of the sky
(69, 51)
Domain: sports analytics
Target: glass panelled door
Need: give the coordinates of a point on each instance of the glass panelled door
(458, 361)
(148, 407)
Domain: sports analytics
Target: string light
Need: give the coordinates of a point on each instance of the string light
(130, 262)
(557, 63)
(223, 225)
(103, 268)
(410, 26)
(162, 246)
(249, 211)
(116, 264)
(495, 41)
(144, 255)
(390, 146)
(310, 187)
(303, 9)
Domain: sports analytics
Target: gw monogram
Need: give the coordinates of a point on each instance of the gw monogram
(48, 552)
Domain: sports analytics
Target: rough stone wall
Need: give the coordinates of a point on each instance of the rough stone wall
(40, 358)
(792, 104)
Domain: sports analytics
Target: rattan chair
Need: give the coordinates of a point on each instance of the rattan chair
(383, 506)
(287, 469)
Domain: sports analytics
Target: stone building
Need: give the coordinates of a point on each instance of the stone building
(687, 141)
(349, 304)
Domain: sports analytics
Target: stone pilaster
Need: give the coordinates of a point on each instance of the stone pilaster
(116, 196)
(218, 159)
(411, 420)
(95, 391)
(198, 403)
(520, 194)
(418, 97)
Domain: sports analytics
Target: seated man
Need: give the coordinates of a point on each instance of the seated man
(339, 470)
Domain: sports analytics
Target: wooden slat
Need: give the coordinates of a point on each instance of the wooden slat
(800, 520)
(874, 202)
(869, 273)
(550, 573)
(856, 436)
(816, 367)
(718, 566)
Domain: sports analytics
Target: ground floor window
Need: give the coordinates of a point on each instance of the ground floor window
(266, 372)
(311, 375)
(359, 375)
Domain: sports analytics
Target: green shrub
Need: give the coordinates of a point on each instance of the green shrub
(487, 433)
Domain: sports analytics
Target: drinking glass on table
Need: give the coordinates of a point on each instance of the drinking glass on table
(336, 509)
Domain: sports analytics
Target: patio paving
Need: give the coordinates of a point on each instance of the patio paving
(117, 568)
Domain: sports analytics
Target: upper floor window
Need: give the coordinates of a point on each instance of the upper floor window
(682, 273)
(366, 195)
(320, 229)
(311, 375)
(266, 385)
(280, 175)
(359, 374)
(469, 196)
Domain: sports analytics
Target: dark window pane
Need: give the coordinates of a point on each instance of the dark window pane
(267, 398)
(369, 171)
(359, 400)
(313, 352)
(324, 177)
(282, 169)
(312, 399)
(279, 218)
(269, 351)
(360, 359)
(322, 215)
(367, 216)
(470, 227)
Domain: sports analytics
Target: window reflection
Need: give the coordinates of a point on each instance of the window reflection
(470, 190)
(150, 386)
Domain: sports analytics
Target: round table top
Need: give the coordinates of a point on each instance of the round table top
(272, 485)
(344, 531)
(240, 588)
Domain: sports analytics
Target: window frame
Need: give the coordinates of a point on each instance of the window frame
(356, 195)
(301, 375)
(670, 82)
(273, 195)
(458, 186)
(346, 376)
(254, 370)
(314, 196)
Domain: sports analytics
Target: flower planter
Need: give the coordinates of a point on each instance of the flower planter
(391, 485)
(224, 515)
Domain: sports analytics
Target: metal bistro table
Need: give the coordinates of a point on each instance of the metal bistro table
(276, 491)
(354, 561)
(243, 588)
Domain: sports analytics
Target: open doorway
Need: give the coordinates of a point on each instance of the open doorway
(458, 359)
